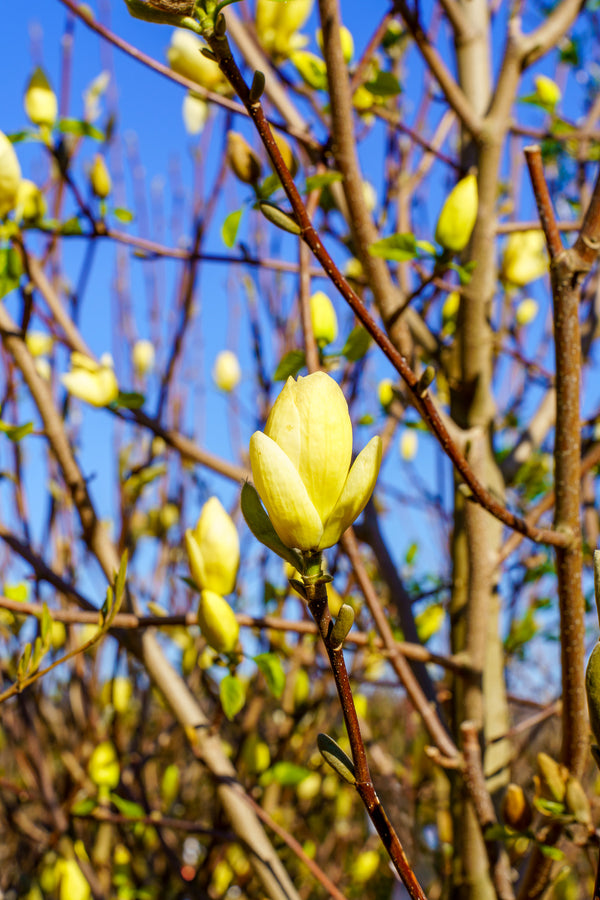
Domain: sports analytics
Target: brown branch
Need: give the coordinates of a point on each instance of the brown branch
(421, 399)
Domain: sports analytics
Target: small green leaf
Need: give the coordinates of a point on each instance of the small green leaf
(81, 129)
(384, 85)
(272, 669)
(128, 807)
(71, 227)
(123, 215)
(465, 272)
(286, 774)
(551, 852)
(290, 364)
(320, 181)
(396, 247)
(357, 344)
(84, 807)
(233, 696)
(23, 664)
(11, 269)
(311, 68)
(271, 184)
(16, 432)
(367, 419)
(45, 623)
(130, 400)
(230, 226)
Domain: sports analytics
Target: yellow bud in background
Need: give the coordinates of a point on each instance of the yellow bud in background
(58, 635)
(217, 622)
(40, 100)
(385, 392)
(286, 151)
(226, 371)
(458, 215)
(354, 269)
(10, 176)
(30, 204)
(526, 311)
(185, 57)
(277, 25)
(143, 357)
(256, 754)
(346, 40)
(222, 877)
(365, 866)
(323, 318)
(39, 343)
(309, 787)
(72, 883)
(103, 767)
(118, 692)
(409, 444)
(169, 785)
(100, 178)
(213, 549)
(243, 161)
(525, 257)
(547, 90)
(93, 382)
(429, 621)
(195, 113)
(451, 306)
(516, 811)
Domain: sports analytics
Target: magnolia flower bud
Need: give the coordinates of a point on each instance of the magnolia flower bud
(226, 371)
(365, 866)
(10, 176)
(323, 318)
(409, 444)
(195, 113)
(525, 257)
(100, 178)
(162, 12)
(30, 203)
(277, 25)
(143, 357)
(103, 767)
(185, 58)
(301, 464)
(458, 215)
(243, 161)
(286, 151)
(118, 692)
(39, 343)
(547, 90)
(217, 622)
(526, 311)
(516, 811)
(346, 40)
(93, 382)
(40, 100)
(451, 306)
(71, 881)
(385, 392)
(213, 549)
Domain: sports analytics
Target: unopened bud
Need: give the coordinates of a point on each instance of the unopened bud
(323, 318)
(243, 161)
(226, 371)
(385, 392)
(100, 178)
(30, 204)
(279, 218)
(143, 357)
(516, 811)
(547, 90)
(40, 100)
(458, 215)
(526, 311)
(217, 622)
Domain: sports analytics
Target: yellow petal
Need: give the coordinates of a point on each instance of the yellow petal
(195, 558)
(326, 432)
(283, 425)
(10, 175)
(294, 517)
(96, 388)
(357, 490)
(219, 545)
(217, 622)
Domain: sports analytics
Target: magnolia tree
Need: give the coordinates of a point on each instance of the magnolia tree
(293, 597)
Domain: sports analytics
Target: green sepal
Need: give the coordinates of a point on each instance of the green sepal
(333, 754)
(261, 527)
(343, 624)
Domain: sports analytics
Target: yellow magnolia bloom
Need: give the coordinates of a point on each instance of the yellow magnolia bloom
(195, 113)
(185, 57)
(458, 215)
(526, 311)
(213, 549)
(143, 357)
(409, 444)
(30, 204)
(277, 25)
(547, 90)
(323, 318)
(71, 881)
(100, 178)
(226, 371)
(525, 258)
(103, 767)
(40, 100)
(301, 464)
(93, 382)
(10, 176)
(385, 392)
(217, 622)
(39, 343)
